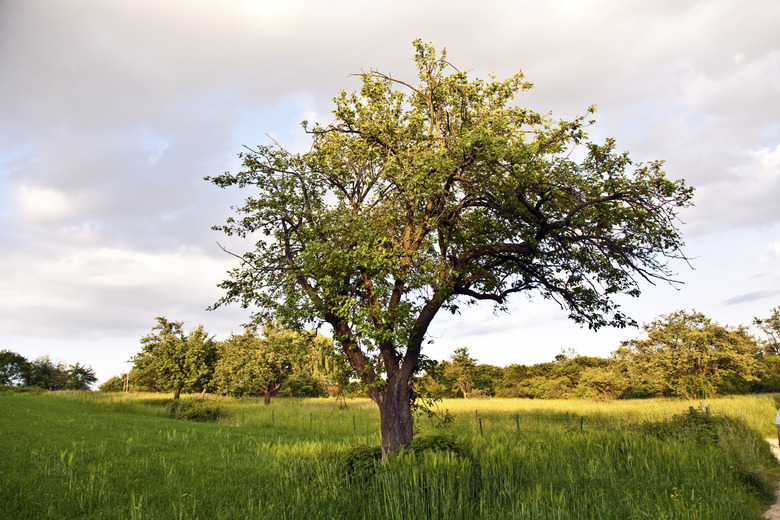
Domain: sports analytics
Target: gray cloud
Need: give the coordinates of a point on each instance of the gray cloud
(113, 112)
(752, 296)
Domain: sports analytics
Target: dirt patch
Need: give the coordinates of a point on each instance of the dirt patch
(773, 513)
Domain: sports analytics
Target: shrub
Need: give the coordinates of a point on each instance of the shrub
(748, 455)
(434, 443)
(194, 410)
(693, 427)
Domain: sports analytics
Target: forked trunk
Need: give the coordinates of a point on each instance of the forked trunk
(395, 416)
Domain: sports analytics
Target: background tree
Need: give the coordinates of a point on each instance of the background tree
(689, 355)
(114, 384)
(461, 371)
(14, 369)
(80, 377)
(280, 361)
(771, 328)
(171, 361)
(248, 365)
(48, 374)
(420, 197)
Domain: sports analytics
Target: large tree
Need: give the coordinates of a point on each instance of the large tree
(419, 197)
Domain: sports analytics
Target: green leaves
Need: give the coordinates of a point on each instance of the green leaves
(689, 355)
(418, 196)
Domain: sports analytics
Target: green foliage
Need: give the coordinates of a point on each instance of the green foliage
(360, 462)
(434, 443)
(173, 361)
(418, 198)
(14, 369)
(286, 361)
(771, 328)
(48, 374)
(197, 410)
(747, 453)
(80, 378)
(113, 384)
(14, 389)
(303, 385)
(694, 427)
(688, 355)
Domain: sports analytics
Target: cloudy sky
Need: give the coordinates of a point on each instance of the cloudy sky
(112, 112)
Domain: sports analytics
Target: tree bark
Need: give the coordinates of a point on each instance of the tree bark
(395, 415)
(176, 393)
(267, 397)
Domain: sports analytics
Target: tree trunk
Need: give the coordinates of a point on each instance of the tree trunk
(395, 416)
(267, 397)
(176, 393)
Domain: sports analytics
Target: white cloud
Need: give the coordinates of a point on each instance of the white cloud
(114, 111)
(772, 252)
(42, 205)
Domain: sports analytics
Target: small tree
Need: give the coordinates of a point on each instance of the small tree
(461, 370)
(417, 198)
(174, 361)
(80, 377)
(689, 355)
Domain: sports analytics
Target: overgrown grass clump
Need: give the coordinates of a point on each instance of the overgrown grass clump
(198, 410)
(87, 456)
(744, 449)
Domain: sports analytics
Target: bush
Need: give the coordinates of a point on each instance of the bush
(693, 427)
(193, 410)
(748, 455)
(433, 443)
(303, 385)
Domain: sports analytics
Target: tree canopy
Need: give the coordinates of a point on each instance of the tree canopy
(771, 328)
(689, 355)
(171, 360)
(280, 361)
(422, 197)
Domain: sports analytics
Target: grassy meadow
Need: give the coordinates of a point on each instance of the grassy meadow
(92, 455)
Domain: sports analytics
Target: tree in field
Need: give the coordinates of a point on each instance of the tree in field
(281, 360)
(771, 328)
(48, 374)
(420, 197)
(689, 355)
(461, 371)
(14, 369)
(173, 361)
(80, 377)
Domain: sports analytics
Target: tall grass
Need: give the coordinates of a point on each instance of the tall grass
(82, 455)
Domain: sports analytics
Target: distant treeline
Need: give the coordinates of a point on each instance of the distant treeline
(275, 362)
(43, 372)
(684, 355)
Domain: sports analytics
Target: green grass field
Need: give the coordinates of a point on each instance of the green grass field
(90, 455)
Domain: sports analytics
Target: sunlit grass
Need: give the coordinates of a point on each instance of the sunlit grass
(90, 455)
